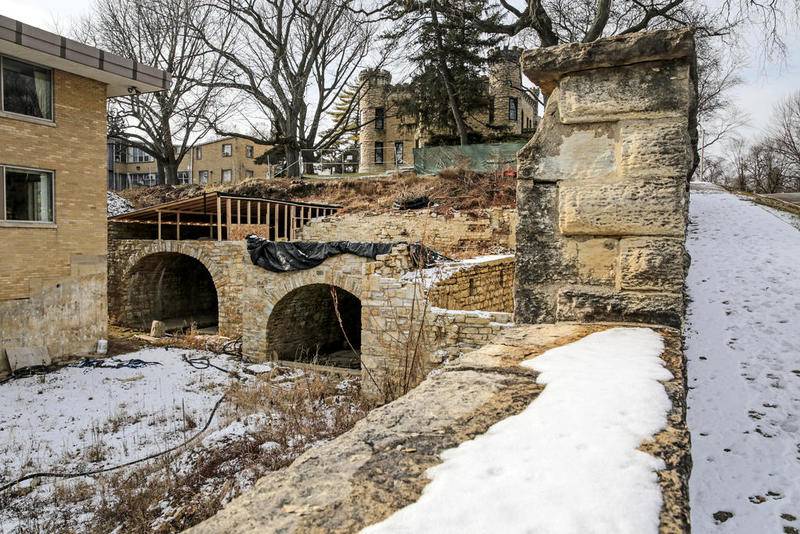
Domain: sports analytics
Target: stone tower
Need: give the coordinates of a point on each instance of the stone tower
(374, 93)
(505, 83)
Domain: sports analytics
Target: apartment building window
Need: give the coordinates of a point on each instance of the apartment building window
(248, 151)
(227, 150)
(203, 177)
(143, 179)
(137, 155)
(227, 175)
(27, 89)
(378, 151)
(26, 195)
(380, 118)
(183, 177)
(198, 152)
(398, 152)
(513, 108)
(248, 174)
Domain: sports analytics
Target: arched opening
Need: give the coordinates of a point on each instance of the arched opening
(174, 288)
(317, 323)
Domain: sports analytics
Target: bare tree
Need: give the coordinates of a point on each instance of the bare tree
(292, 59)
(785, 132)
(165, 124)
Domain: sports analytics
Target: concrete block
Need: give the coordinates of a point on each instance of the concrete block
(23, 357)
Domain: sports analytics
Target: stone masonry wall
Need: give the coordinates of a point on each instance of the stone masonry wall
(493, 228)
(132, 304)
(602, 191)
(488, 286)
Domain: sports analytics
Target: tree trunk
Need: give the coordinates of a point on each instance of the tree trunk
(170, 173)
(449, 83)
(292, 162)
(160, 177)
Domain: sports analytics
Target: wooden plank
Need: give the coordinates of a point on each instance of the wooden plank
(248, 212)
(269, 223)
(178, 228)
(238, 212)
(219, 218)
(159, 226)
(228, 216)
(258, 214)
(292, 220)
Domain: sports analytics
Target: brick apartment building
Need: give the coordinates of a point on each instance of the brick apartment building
(387, 138)
(52, 190)
(225, 160)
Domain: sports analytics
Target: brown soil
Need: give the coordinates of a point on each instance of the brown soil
(452, 189)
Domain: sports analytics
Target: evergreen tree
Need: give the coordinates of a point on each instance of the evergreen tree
(448, 83)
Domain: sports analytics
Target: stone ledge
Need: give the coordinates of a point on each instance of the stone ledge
(545, 66)
(378, 467)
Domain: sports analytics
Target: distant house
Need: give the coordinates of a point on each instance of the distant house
(225, 160)
(53, 189)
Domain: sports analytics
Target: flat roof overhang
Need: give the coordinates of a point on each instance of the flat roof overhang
(121, 75)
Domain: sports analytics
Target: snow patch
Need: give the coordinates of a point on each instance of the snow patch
(116, 205)
(569, 463)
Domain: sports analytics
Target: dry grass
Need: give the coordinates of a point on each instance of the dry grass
(294, 412)
(453, 189)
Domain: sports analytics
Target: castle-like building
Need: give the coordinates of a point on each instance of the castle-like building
(387, 138)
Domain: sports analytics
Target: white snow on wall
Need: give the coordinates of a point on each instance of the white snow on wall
(116, 205)
(569, 462)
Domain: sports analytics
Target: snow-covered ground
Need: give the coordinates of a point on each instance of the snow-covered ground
(77, 418)
(82, 419)
(743, 351)
(569, 463)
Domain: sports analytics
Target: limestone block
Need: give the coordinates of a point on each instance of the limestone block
(655, 148)
(563, 152)
(595, 259)
(651, 264)
(545, 66)
(635, 207)
(631, 92)
(589, 303)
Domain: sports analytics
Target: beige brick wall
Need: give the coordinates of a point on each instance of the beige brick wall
(75, 148)
(488, 285)
(52, 279)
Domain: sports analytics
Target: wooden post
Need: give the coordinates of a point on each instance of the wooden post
(292, 217)
(178, 228)
(269, 222)
(228, 206)
(258, 214)
(286, 222)
(159, 226)
(248, 212)
(238, 212)
(219, 218)
(211, 226)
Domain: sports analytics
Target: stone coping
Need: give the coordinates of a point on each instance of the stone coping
(379, 466)
(545, 66)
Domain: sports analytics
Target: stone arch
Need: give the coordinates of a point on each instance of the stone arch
(179, 288)
(316, 323)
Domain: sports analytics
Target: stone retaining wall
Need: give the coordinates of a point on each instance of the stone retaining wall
(491, 229)
(485, 285)
(602, 192)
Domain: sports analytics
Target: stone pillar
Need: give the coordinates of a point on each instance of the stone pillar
(602, 188)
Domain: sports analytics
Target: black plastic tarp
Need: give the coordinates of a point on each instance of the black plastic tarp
(285, 256)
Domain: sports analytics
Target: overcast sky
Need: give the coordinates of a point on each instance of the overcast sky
(765, 83)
